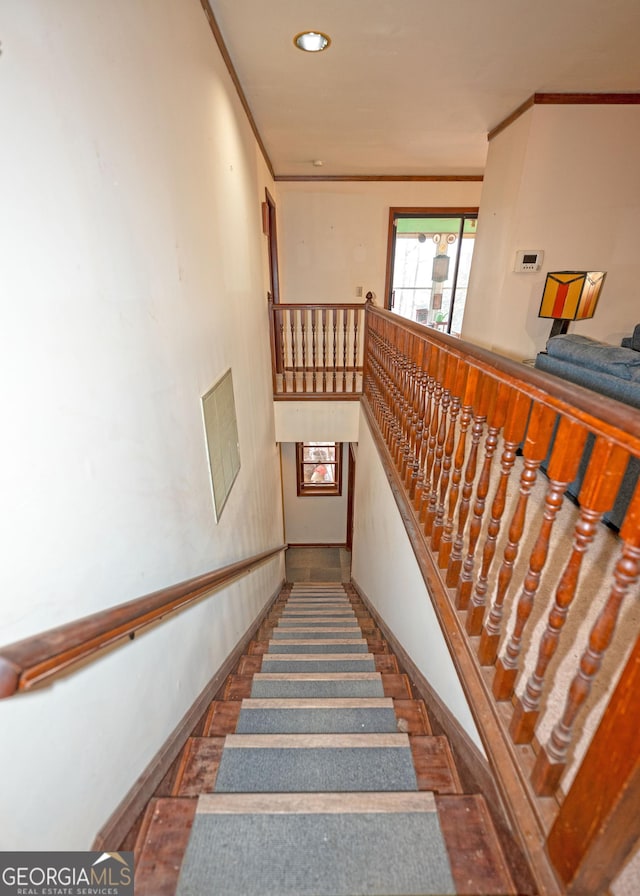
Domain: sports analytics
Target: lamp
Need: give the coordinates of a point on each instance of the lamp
(570, 295)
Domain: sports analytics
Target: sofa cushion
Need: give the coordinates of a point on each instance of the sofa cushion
(586, 352)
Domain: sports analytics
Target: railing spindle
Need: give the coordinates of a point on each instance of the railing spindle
(535, 450)
(563, 467)
(444, 376)
(597, 495)
(485, 391)
(495, 422)
(472, 376)
(552, 758)
(513, 434)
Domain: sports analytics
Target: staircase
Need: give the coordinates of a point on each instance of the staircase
(317, 773)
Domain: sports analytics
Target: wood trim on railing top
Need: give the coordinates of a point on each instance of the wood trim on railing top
(26, 663)
(303, 306)
(620, 422)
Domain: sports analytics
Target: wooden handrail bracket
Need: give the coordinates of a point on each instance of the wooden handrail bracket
(26, 663)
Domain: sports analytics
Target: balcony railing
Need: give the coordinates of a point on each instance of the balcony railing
(317, 351)
(536, 597)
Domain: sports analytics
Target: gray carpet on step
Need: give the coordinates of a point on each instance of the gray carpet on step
(345, 632)
(316, 855)
(334, 720)
(285, 647)
(317, 665)
(325, 769)
(314, 621)
(337, 688)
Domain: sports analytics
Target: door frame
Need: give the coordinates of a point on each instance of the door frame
(272, 237)
(415, 212)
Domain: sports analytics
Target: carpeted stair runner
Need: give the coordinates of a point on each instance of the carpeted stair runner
(316, 792)
(339, 716)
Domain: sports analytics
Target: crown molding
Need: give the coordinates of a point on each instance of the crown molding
(566, 99)
(215, 30)
(374, 178)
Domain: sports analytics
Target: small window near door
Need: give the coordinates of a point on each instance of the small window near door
(319, 468)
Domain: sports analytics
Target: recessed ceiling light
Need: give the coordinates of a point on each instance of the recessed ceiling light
(312, 41)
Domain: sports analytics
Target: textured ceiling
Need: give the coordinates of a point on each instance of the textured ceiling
(412, 87)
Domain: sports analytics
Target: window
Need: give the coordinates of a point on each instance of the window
(319, 468)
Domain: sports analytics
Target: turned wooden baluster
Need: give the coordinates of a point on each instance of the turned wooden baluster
(423, 426)
(535, 450)
(387, 367)
(334, 328)
(407, 419)
(598, 825)
(552, 758)
(345, 322)
(324, 349)
(481, 406)
(313, 350)
(431, 365)
(303, 345)
(436, 374)
(283, 355)
(512, 435)
(597, 495)
(417, 355)
(356, 318)
(414, 394)
(470, 377)
(390, 371)
(456, 373)
(292, 325)
(495, 421)
(562, 469)
(446, 375)
(402, 411)
(374, 368)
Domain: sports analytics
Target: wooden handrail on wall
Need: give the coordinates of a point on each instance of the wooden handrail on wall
(28, 662)
(479, 452)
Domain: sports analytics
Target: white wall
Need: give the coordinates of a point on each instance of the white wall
(309, 520)
(564, 179)
(384, 566)
(306, 421)
(134, 273)
(332, 237)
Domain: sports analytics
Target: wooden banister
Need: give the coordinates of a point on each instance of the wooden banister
(317, 350)
(480, 451)
(26, 663)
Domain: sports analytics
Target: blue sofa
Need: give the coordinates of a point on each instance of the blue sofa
(610, 370)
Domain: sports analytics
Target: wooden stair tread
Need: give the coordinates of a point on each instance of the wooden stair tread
(222, 718)
(476, 857)
(199, 766)
(434, 765)
(315, 741)
(413, 716)
(316, 803)
(161, 845)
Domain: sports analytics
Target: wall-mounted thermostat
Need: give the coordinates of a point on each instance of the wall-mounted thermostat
(528, 260)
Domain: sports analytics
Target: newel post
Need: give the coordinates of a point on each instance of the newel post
(275, 359)
(368, 306)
